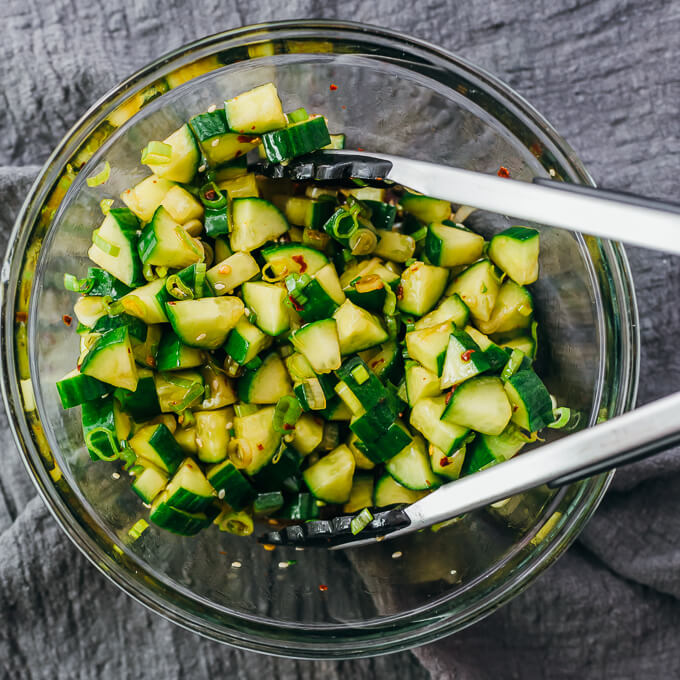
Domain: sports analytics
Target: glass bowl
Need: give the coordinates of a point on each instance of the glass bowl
(390, 93)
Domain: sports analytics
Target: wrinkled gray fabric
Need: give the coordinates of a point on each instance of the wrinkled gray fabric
(605, 74)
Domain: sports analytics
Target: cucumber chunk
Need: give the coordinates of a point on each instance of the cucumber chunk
(426, 208)
(184, 158)
(451, 309)
(225, 477)
(212, 435)
(145, 197)
(388, 492)
(267, 383)
(255, 221)
(166, 243)
(206, 322)
(246, 341)
(411, 467)
(76, 388)
(308, 434)
(267, 302)
(421, 286)
(488, 449)
(449, 246)
(157, 445)
(478, 287)
(150, 482)
(295, 258)
(420, 383)
(428, 346)
(361, 495)
(447, 466)
(255, 111)
(531, 404)
(296, 139)
(330, 479)
(143, 303)
(189, 489)
(232, 272)
(175, 520)
(357, 328)
(258, 430)
(512, 310)
(464, 359)
(319, 343)
(110, 360)
(426, 418)
(480, 404)
(515, 251)
(175, 355)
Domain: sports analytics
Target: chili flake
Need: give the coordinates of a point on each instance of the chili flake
(333, 87)
(269, 547)
(465, 356)
(450, 394)
(68, 320)
(377, 362)
(400, 292)
(444, 462)
(211, 194)
(300, 259)
(296, 306)
(323, 587)
(503, 172)
(244, 139)
(260, 447)
(21, 317)
(360, 149)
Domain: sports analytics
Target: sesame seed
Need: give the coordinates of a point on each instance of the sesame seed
(379, 538)
(283, 565)
(396, 555)
(202, 168)
(199, 442)
(453, 572)
(211, 108)
(230, 425)
(299, 549)
(219, 286)
(246, 311)
(200, 337)
(236, 565)
(146, 505)
(214, 142)
(116, 475)
(220, 495)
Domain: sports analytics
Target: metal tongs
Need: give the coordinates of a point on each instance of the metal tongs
(624, 439)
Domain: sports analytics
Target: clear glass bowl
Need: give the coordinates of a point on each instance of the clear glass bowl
(394, 94)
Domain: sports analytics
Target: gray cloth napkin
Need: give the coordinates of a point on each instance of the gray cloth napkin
(605, 73)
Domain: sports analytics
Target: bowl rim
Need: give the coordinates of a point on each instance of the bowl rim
(419, 633)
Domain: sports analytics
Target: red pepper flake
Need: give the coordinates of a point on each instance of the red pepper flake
(151, 361)
(68, 320)
(323, 587)
(238, 153)
(449, 395)
(360, 149)
(21, 317)
(503, 172)
(536, 149)
(465, 356)
(260, 447)
(444, 462)
(300, 259)
(221, 552)
(333, 87)
(252, 127)
(211, 194)
(343, 107)
(514, 408)
(244, 139)
(296, 306)
(400, 292)
(377, 362)
(286, 426)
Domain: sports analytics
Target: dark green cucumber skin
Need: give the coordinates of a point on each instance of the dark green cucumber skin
(169, 355)
(518, 233)
(284, 474)
(539, 406)
(382, 214)
(496, 357)
(267, 503)
(245, 382)
(387, 446)
(95, 414)
(79, 389)
(295, 140)
(129, 224)
(136, 327)
(477, 357)
(373, 300)
(236, 347)
(188, 277)
(208, 125)
(142, 404)
(318, 305)
(113, 337)
(238, 491)
(390, 370)
(373, 424)
(369, 393)
(327, 382)
(189, 502)
(217, 221)
(169, 518)
(104, 283)
(411, 224)
(302, 506)
(164, 443)
(323, 209)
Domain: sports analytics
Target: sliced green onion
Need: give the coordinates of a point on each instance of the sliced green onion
(192, 394)
(137, 470)
(347, 255)
(161, 272)
(148, 272)
(108, 435)
(220, 200)
(314, 394)
(100, 177)
(514, 362)
(178, 289)
(419, 234)
(360, 374)
(286, 414)
(238, 523)
(109, 248)
(138, 528)
(410, 261)
(105, 205)
(199, 278)
(77, 285)
(565, 417)
(128, 456)
(191, 242)
(156, 153)
(390, 304)
(243, 410)
(358, 207)
(253, 364)
(315, 239)
(343, 224)
(298, 115)
(363, 241)
(392, 324)
(361, 521)
(240, 453)
(331, 436)
(187, 417)
(345, 393)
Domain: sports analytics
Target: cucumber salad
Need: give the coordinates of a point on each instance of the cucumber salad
(254, 347)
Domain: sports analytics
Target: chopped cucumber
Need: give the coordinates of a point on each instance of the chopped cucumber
(255, 221)
(429, 345)
(515, 251)
(318, 342)
(421, 287)
(110, 360)
(232, 272)
(448, 246)
(388, 492)
(480, 404)
(206, 322)
(426, 418)
(357, 328)
(411, 467)
(184, 157)
(330, 479)
(478, 287)
(266, 303)
(255, 111)
(267, 383)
